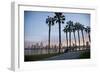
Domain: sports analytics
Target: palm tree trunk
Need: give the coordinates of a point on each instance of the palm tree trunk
(89, 37)
(70, 40)
(67, 40)
(59, 37)
(83, 37)
(49, 38)
(74, 37)
(79, 39)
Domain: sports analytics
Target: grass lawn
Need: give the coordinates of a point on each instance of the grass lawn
(85, 55)
(39, 57)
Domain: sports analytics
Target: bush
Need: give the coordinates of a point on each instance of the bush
(85, 55)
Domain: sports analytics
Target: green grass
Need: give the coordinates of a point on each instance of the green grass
(85, 55)
(39, 57)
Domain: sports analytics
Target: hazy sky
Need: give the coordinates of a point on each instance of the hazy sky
(36, 29)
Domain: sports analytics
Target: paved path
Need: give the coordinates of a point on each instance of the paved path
(69, 55)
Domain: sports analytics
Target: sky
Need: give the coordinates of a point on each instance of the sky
(36, 30)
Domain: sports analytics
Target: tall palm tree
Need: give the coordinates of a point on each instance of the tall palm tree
(59, 18)
(82, 28)
(74, 29)
(66, 31)
(70, 23)
(50, 22)
(77, 26)
(87, 29)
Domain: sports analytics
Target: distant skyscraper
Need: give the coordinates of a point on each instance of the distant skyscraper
(41, 45)
(32, 46)
(37, 45)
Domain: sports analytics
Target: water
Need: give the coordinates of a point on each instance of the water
(34, 51)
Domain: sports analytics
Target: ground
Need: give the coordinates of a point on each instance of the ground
(59, 56)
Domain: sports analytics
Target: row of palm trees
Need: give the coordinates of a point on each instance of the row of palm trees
(73, 27)
(59, 19)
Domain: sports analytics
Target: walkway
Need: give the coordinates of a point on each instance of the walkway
(69, 55)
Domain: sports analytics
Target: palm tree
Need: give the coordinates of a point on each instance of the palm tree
(77, 26)
(50, 22)
(59, 18)
(87, 29)
(82, 28)
(70, 23)
(66, 31)
(74, 29)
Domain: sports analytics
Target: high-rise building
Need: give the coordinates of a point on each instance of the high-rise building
(37, 45)
(41, 45)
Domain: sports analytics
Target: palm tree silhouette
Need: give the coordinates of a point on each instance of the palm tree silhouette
(87, 29)
(50, 22)
(82, 28)
(77, 26)
(66, 31)
(70, 23)
(59, 18)
(74, 29)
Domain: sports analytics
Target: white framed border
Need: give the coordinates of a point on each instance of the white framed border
(17, 51)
